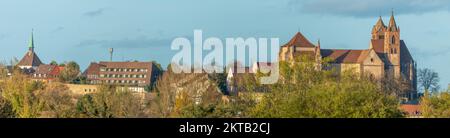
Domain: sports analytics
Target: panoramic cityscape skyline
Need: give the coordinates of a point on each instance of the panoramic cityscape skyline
(143, 30)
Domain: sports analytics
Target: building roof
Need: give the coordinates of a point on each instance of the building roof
(30, 59)
(377, 45)
(345, 55)
(94, 68)
(405, 56)
(45, 69)
(126, 64)
(411, 109)
(392, 25)
(300, 41)
(379, 26)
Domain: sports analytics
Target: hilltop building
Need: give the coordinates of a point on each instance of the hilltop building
(133, 74)
(387, 56)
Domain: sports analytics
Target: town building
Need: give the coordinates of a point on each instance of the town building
(132, 74)
(387, 56)
(47, 73)
(30, 61)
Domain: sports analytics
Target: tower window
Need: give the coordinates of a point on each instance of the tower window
(393, 40)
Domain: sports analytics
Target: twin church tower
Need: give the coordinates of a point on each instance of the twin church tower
(387, 56)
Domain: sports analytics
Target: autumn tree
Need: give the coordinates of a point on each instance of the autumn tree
(436, 105)
(19, 91)
(6, 109)
(110, 102)
(70, 72)
(56, 101)
(305, 91)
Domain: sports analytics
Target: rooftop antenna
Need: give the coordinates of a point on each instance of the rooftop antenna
(111, 51)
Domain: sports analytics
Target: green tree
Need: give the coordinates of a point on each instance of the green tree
(111, 102)
(56, 101)
(53, 63)
(19, 91)
(305, 91)
(70, 72)
(436, 105)
(6, 109)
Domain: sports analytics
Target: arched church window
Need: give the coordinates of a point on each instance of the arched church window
(393, 40)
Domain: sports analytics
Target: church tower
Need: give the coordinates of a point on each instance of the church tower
(30, 60)
(378, 30)
(392, 46)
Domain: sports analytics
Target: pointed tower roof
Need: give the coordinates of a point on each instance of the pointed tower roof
(31, 42)
(392, 25)
(379, 25)
(300, 41)
(30, 58)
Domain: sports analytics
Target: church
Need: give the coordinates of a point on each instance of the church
(387, 56)
(30, 61)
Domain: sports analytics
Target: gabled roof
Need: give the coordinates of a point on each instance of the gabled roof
(379, 26)
(126, 64)
(378, 45)
(345, 55)
(94, 68)
(405, 56)
(300, 41)
(392, 24)
(30, 59)
(45, 69)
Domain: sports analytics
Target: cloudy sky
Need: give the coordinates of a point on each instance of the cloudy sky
(83, 30)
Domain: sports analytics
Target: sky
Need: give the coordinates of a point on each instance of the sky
(83, 30)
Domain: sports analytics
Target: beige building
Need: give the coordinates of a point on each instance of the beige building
(387, 55)
(130, 74)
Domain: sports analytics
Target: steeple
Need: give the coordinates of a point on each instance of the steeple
(378, 29)
(392, 25)
(31, 43)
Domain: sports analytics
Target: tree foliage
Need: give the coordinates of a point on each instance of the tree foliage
(70, 72)
(110, 102)
(305, 91)
(435, 105)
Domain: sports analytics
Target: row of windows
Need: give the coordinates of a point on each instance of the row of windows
(41, 75)
(123, 70)
(125, 81)
(122, 76)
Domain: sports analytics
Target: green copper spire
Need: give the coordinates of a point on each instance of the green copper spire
(31, 42)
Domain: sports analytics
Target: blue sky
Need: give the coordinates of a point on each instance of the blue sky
(83, 30)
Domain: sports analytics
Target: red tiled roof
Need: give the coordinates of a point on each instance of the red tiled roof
(30, 59)
(300, 41)
(344, 55)
(411, 109)
(126, 64)
(45, 69)
(378, 45)
(94, 68)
